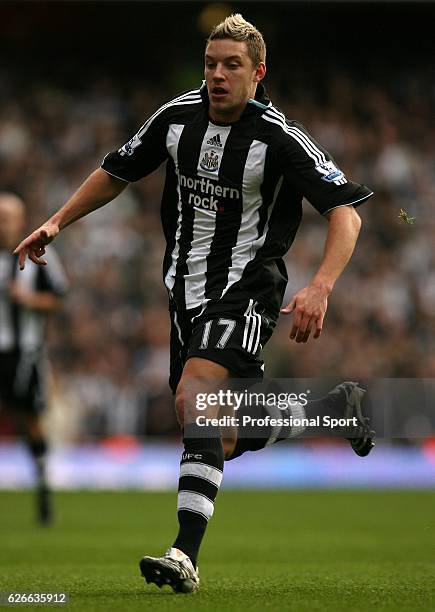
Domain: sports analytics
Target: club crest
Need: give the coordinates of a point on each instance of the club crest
(210, 162)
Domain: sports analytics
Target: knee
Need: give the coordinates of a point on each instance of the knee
(184, 405)
(179, 405)
(196, 371)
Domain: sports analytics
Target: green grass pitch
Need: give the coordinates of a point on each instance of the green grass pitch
(278, 550)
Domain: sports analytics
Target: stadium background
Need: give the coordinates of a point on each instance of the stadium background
(80, 78)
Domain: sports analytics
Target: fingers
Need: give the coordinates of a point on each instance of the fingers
(301, 329)
(22, 250)
(295, 327)
(309, 312)
(22, 257)
(290, 307)
(32, 247)
(319, 327)
(33, 253)
(39, 251)
(303, 326)
(304, 331)
(297, 322)
(33, 257)
(18, 248)
(307, 333)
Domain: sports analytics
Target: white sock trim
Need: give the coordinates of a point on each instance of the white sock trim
(195, 502)
(202, 470)
(297, 411)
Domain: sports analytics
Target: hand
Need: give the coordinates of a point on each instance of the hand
(309, 305)
(34, 245)
(19, 294)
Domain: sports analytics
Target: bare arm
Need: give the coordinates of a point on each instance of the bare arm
(98, 189)
(43, 301)
(310, 303)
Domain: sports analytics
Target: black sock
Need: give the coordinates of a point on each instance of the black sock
(38, 449)
(256, 438)
(251, 438)
(324, 406)
(201, 470)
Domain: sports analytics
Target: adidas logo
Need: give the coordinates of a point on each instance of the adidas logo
(215, 141)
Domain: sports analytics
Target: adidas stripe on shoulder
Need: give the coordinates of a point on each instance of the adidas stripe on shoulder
(190, 97)
(325, 167)
(273, 115)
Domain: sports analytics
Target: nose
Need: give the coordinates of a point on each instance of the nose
(218, 72)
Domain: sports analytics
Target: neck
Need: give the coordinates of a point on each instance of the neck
(226, 117)
(231, 115)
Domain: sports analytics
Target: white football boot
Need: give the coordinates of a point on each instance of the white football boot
(174, 569)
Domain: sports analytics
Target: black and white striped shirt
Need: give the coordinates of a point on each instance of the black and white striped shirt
(22, 328)
(232, 200)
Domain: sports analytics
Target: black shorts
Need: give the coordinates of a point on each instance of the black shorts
(234, 338)
(22, 381)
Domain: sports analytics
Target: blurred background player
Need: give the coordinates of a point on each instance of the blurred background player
(25, 302)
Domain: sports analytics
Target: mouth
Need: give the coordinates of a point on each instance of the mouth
(219, 92)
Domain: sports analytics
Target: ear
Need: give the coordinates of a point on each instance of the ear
(260, 73)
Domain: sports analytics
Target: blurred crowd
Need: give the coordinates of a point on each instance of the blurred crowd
(109, 348)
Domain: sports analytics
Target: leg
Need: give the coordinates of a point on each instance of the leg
(38, 448)
(25, 396)
(31, 376)
(201, 463)
(342, 402)
(205, 347)
(201, 470)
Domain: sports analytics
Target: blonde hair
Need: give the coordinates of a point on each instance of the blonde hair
(237, 28)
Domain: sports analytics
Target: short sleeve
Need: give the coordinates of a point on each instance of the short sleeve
(52, 278)
(143, 153)
(312, 170)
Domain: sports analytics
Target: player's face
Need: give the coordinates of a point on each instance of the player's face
(231, 78)
(11, 224)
